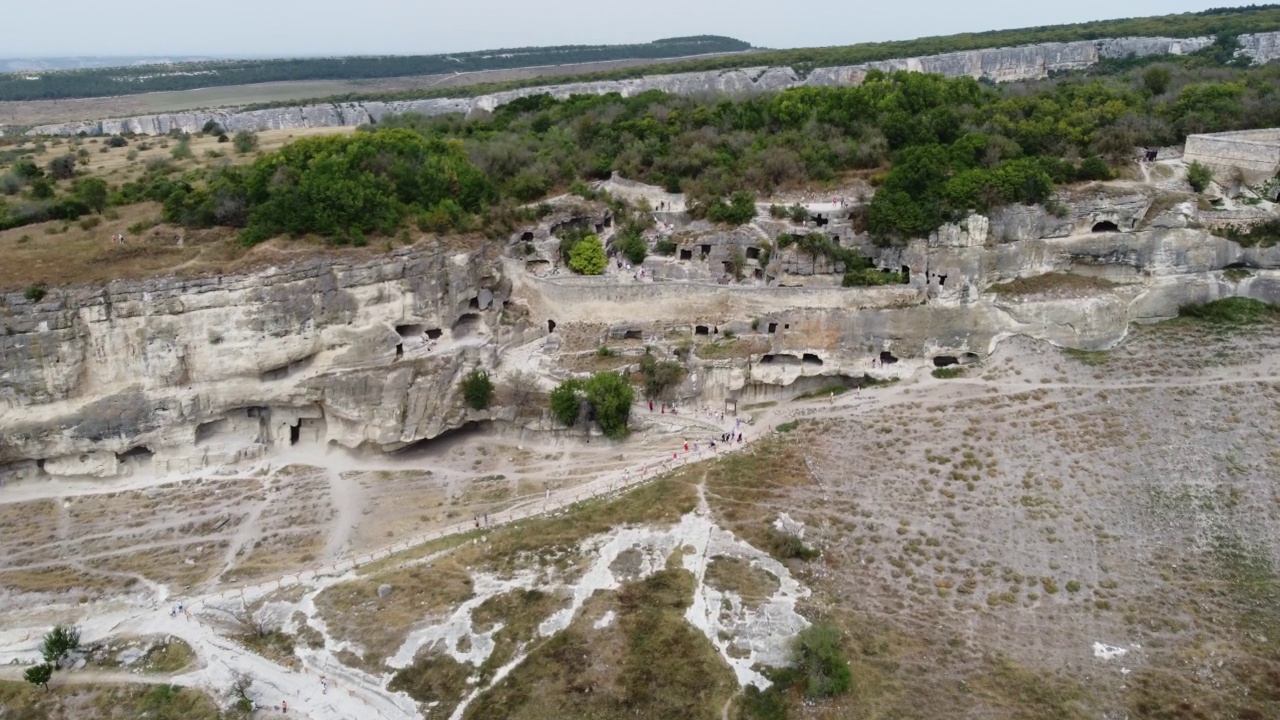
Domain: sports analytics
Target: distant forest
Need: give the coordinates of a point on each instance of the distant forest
(1218, 22)
(137, 79)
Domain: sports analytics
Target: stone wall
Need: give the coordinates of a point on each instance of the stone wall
(1254, 153)
(996, 64)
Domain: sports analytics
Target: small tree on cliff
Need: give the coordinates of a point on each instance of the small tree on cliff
(59, 641)
(1199, 176)
(39, 675)
(477, 389)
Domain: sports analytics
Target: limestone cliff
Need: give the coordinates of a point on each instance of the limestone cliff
(188, 373)
(184, 374)
(996, 64)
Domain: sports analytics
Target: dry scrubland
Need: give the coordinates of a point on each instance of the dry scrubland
(979, 535)
(980, 532)
(63, 252)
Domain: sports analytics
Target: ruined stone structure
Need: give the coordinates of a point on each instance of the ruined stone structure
(996, 64)
(1249, 156)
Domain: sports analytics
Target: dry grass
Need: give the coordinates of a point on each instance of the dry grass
(353, 611)
(1055, 285)
(753, 584)
(649, 663)
(23, 701)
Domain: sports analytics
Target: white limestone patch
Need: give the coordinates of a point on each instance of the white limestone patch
(1108, 652)
(605, 621)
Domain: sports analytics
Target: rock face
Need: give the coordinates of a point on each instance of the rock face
(181, 374)
(173, 375)
(997, 64)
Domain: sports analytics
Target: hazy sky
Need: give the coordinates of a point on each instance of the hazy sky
(279, 28)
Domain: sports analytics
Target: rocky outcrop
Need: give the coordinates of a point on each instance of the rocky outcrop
(995, 64)
(178, 375)
(181, 374)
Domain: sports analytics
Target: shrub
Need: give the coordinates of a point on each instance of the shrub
(603, 352)
(946, 373)
(92, 192)
(90, 222)
(777, 212)
(566, 402)
(131, 155)
(245, 142)
(1155, 79)
(211, 127)
(1199, 176)
(116, 141)
(1093, 168)
(64, 166)
(587, 257)
(818, 655)
(1231, 311)
(35, 293)
(42, 188)
(11, 183)
(798, 213)
(632, 245)
(665, 247)
(787, 427)
(659, 376)
(182, 151)
(477, 389)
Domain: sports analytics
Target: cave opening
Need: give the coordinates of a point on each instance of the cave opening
(701, 330)
(599, 228)
(945, 360)
(141, 453)
(1106, 226)
(399, 350)
(773, 328)
(474, 304)
(686, 254)
(632, 335)
(527, 237)
(405, 331)
(753, 253)
(906, 273)
(887, 358)
(942, 279)
(551, 326)
(295, 433)
(706, 250)
(811, 359)
(466, 325)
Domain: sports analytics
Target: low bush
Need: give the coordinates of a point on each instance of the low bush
(477, 389)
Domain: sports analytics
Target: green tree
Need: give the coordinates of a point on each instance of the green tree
(1155, 79)
(59, 641)
(245, 142)
(632, 245)
(1199, 176)
(92, 191)
(477, 389)
(659, 376)
(610, 397)
(566, 402)
(587, 256)
(182, 151)
(39, 675)
(818, 655)
(798, 213)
